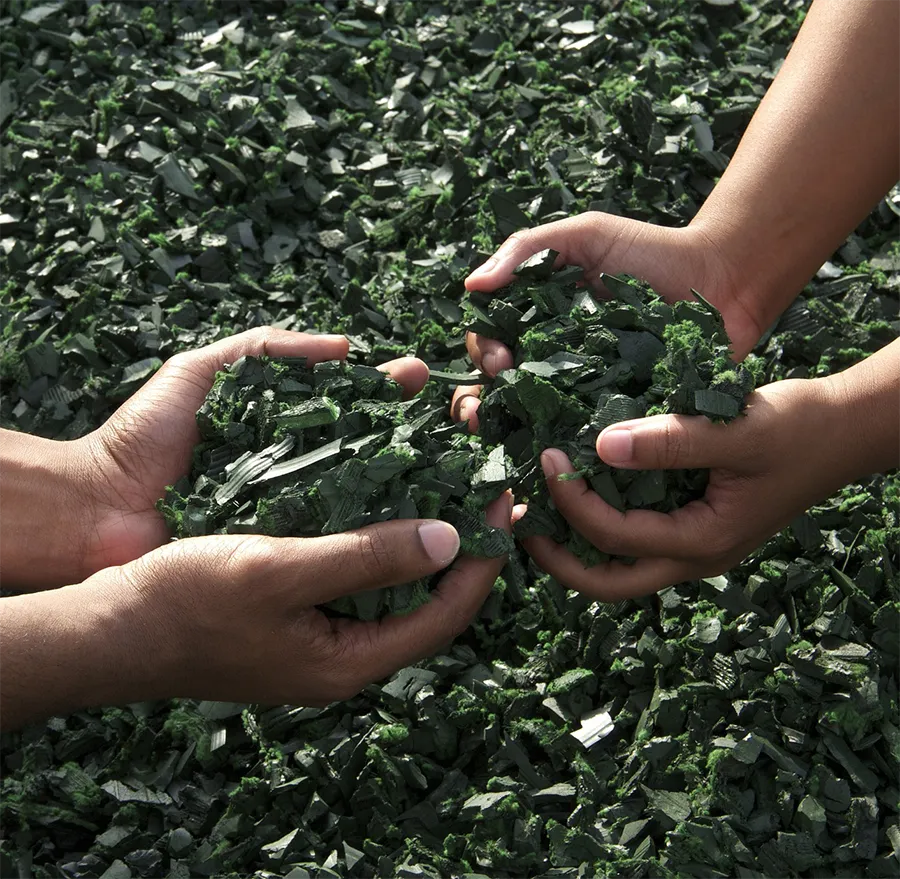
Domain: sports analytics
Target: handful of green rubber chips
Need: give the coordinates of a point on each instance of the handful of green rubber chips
(288, 450)
(583, 363)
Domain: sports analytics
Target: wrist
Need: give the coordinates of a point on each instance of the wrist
(761, 289)
(91, 651)
(866, 406)
(134, 652)
(45, 514)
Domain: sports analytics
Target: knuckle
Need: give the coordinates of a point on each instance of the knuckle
(180, 362)
(251, 557)
(718, 547)
(458, 620)
(254, 341)
(377, 554)
(260, 337)
(675, 445)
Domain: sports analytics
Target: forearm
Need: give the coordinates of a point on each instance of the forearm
(40, 525)
(867, 411)
(820, 151)
(71, 648)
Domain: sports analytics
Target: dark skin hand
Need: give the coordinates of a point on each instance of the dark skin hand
(236, 617)
(140, 450)
(797, 442)
(230, 617)
(105, 485)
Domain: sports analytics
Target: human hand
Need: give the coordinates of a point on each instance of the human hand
(670, 260)
(122, 468)
(793, 447)
(235, 617)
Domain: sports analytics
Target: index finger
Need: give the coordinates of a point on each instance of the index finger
(394, 642)
(583, 240)
(498, 270)
(633, 533)
(608, 581)
(184, 380)
(270, 342)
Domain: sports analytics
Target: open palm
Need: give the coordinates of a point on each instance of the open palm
(147, 443)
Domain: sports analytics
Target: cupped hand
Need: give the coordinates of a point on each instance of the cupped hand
(672, 261)
(235, 617)
(147, 444)
(766, 467)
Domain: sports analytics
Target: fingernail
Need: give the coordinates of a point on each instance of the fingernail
(518, 511)
(440, 540)
(489, 363)
(465, 409)
(615, 446)
(332, 337)
(553, 461)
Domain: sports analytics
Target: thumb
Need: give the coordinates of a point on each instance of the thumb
(375, 556)
(670, 442)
